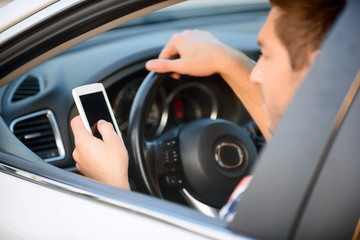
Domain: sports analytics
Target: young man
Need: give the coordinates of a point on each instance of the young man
(289, 42)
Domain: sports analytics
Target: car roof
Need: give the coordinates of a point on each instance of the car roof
(17, 16)
(12, 12)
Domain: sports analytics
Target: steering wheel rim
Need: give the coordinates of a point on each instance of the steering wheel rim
(145, 152)
(145, 94)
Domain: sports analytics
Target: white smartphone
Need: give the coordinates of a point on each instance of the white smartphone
(93, 105)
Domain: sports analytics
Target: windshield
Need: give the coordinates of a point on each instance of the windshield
(199, 8)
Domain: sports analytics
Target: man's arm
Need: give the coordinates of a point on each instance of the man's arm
(237, 74)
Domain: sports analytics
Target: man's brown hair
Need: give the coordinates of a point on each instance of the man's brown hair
(303, 25)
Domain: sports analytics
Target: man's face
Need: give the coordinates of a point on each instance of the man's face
(273, 73)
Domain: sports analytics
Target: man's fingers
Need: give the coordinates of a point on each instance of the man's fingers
(158, 65)
(176, 76)
(106, 130)
(75, 155)
(78, 127)
(171, 50)
(167, 65)
(78, 167)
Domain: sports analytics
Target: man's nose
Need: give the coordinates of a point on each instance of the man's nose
(256, 75)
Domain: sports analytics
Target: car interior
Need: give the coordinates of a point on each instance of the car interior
(38, 106)
(162, 119)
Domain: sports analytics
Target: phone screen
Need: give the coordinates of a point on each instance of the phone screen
(95, 109)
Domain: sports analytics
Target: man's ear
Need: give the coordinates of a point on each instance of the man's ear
(313, 56)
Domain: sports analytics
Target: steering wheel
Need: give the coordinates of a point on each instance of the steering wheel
(205, 159)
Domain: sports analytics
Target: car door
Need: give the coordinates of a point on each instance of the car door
(40, 201)
(306, 183)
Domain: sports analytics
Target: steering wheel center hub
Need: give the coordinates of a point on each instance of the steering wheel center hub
(229, 155)
(215, 155)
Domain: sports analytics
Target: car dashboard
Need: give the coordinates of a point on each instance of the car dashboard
(38, 106)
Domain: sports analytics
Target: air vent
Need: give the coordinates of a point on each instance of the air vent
(30, 86)
(40, 133)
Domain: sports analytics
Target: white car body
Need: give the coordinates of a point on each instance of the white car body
(42, 208)
(56, 211)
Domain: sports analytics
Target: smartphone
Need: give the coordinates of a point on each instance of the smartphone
(93, 105)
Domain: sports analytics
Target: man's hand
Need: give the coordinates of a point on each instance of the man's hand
(103, 160)
(196, 53)
(200, 54)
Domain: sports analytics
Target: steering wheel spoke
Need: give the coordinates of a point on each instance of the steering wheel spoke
(169, 164)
